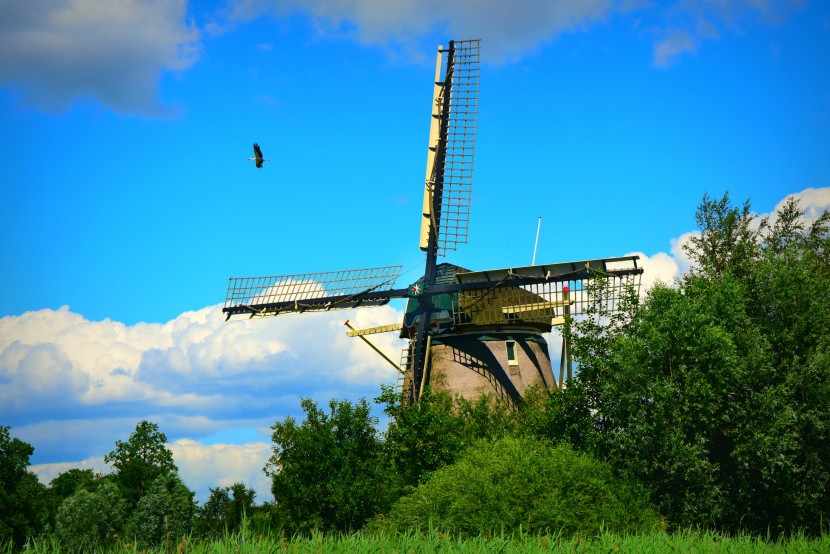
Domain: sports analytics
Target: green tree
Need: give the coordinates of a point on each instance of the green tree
(225, 510)
(432, 433)
(164, 515)
(68, 483)
(328, 472)
(23, 499)
(140, 460)
(715, 393)
(88, 521)
(523, 484)
(728, 238)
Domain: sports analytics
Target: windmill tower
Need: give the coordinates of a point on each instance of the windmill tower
(469, 332)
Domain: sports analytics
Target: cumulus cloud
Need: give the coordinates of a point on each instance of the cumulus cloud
(60, 51)
(203, 467)
(814, 202)
(195, 375)
(665, 267)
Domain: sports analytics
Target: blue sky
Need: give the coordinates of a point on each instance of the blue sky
(126, 200)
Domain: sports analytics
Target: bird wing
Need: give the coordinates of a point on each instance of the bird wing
(257, 151)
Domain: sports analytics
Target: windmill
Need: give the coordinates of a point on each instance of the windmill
(469, 332)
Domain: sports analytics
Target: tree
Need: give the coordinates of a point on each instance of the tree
(728, 239)
(68, 483)
(23, 502)
(164, 515)
(140, 460)
(716, 393)
(88, 521)
(328, 472)
(431, 433)
(225, 510)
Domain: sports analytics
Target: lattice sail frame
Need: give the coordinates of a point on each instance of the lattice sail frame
(460, 146)
(449, 171)
(543, 303)
(273, 295)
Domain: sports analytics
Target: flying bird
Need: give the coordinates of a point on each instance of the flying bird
(258, 156)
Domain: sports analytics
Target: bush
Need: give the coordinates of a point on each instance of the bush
(522, 484)
(90, 520)
(165, 514)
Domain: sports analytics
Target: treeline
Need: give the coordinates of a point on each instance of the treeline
(142, 503)
(705, 404)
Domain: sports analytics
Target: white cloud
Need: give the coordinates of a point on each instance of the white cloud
(659, 267)
(666, 266)
(814, 202)
(202, 467)
(46, 472)
(112, 50)
(187, 362)
(506, 29)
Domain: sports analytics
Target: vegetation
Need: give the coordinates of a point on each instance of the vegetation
(714, 392)
(513, 485)
(433, 542)
(22, 497)
(699, 420)
(328, 472)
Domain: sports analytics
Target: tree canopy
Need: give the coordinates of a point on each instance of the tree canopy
(140, 460)
(715, 392)
(23, 501)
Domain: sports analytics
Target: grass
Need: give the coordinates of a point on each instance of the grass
(605, 543)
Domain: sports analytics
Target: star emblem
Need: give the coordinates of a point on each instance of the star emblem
(416, 289)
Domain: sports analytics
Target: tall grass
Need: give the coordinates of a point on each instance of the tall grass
(433, 542)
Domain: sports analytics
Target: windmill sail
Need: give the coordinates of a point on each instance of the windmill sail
(542, 294)
(449, 174)
(332, 290)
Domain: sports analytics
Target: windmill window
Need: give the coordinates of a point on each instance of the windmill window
(511, 353)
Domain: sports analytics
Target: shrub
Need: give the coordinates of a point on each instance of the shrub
(89, 520)
(517, 484)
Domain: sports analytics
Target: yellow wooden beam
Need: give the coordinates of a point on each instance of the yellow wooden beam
(534, 307)
(375, 330)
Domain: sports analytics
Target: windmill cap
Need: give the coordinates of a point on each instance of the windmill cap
(565, 287)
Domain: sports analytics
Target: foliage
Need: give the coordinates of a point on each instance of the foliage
(23, 501)
(140, 460)
(225, 510)
(426, 436)
(716, 393)
(522, 484)
(88, 521)
(328, 473)
(163, 515)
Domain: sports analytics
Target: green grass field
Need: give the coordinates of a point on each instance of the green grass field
(657, 542)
